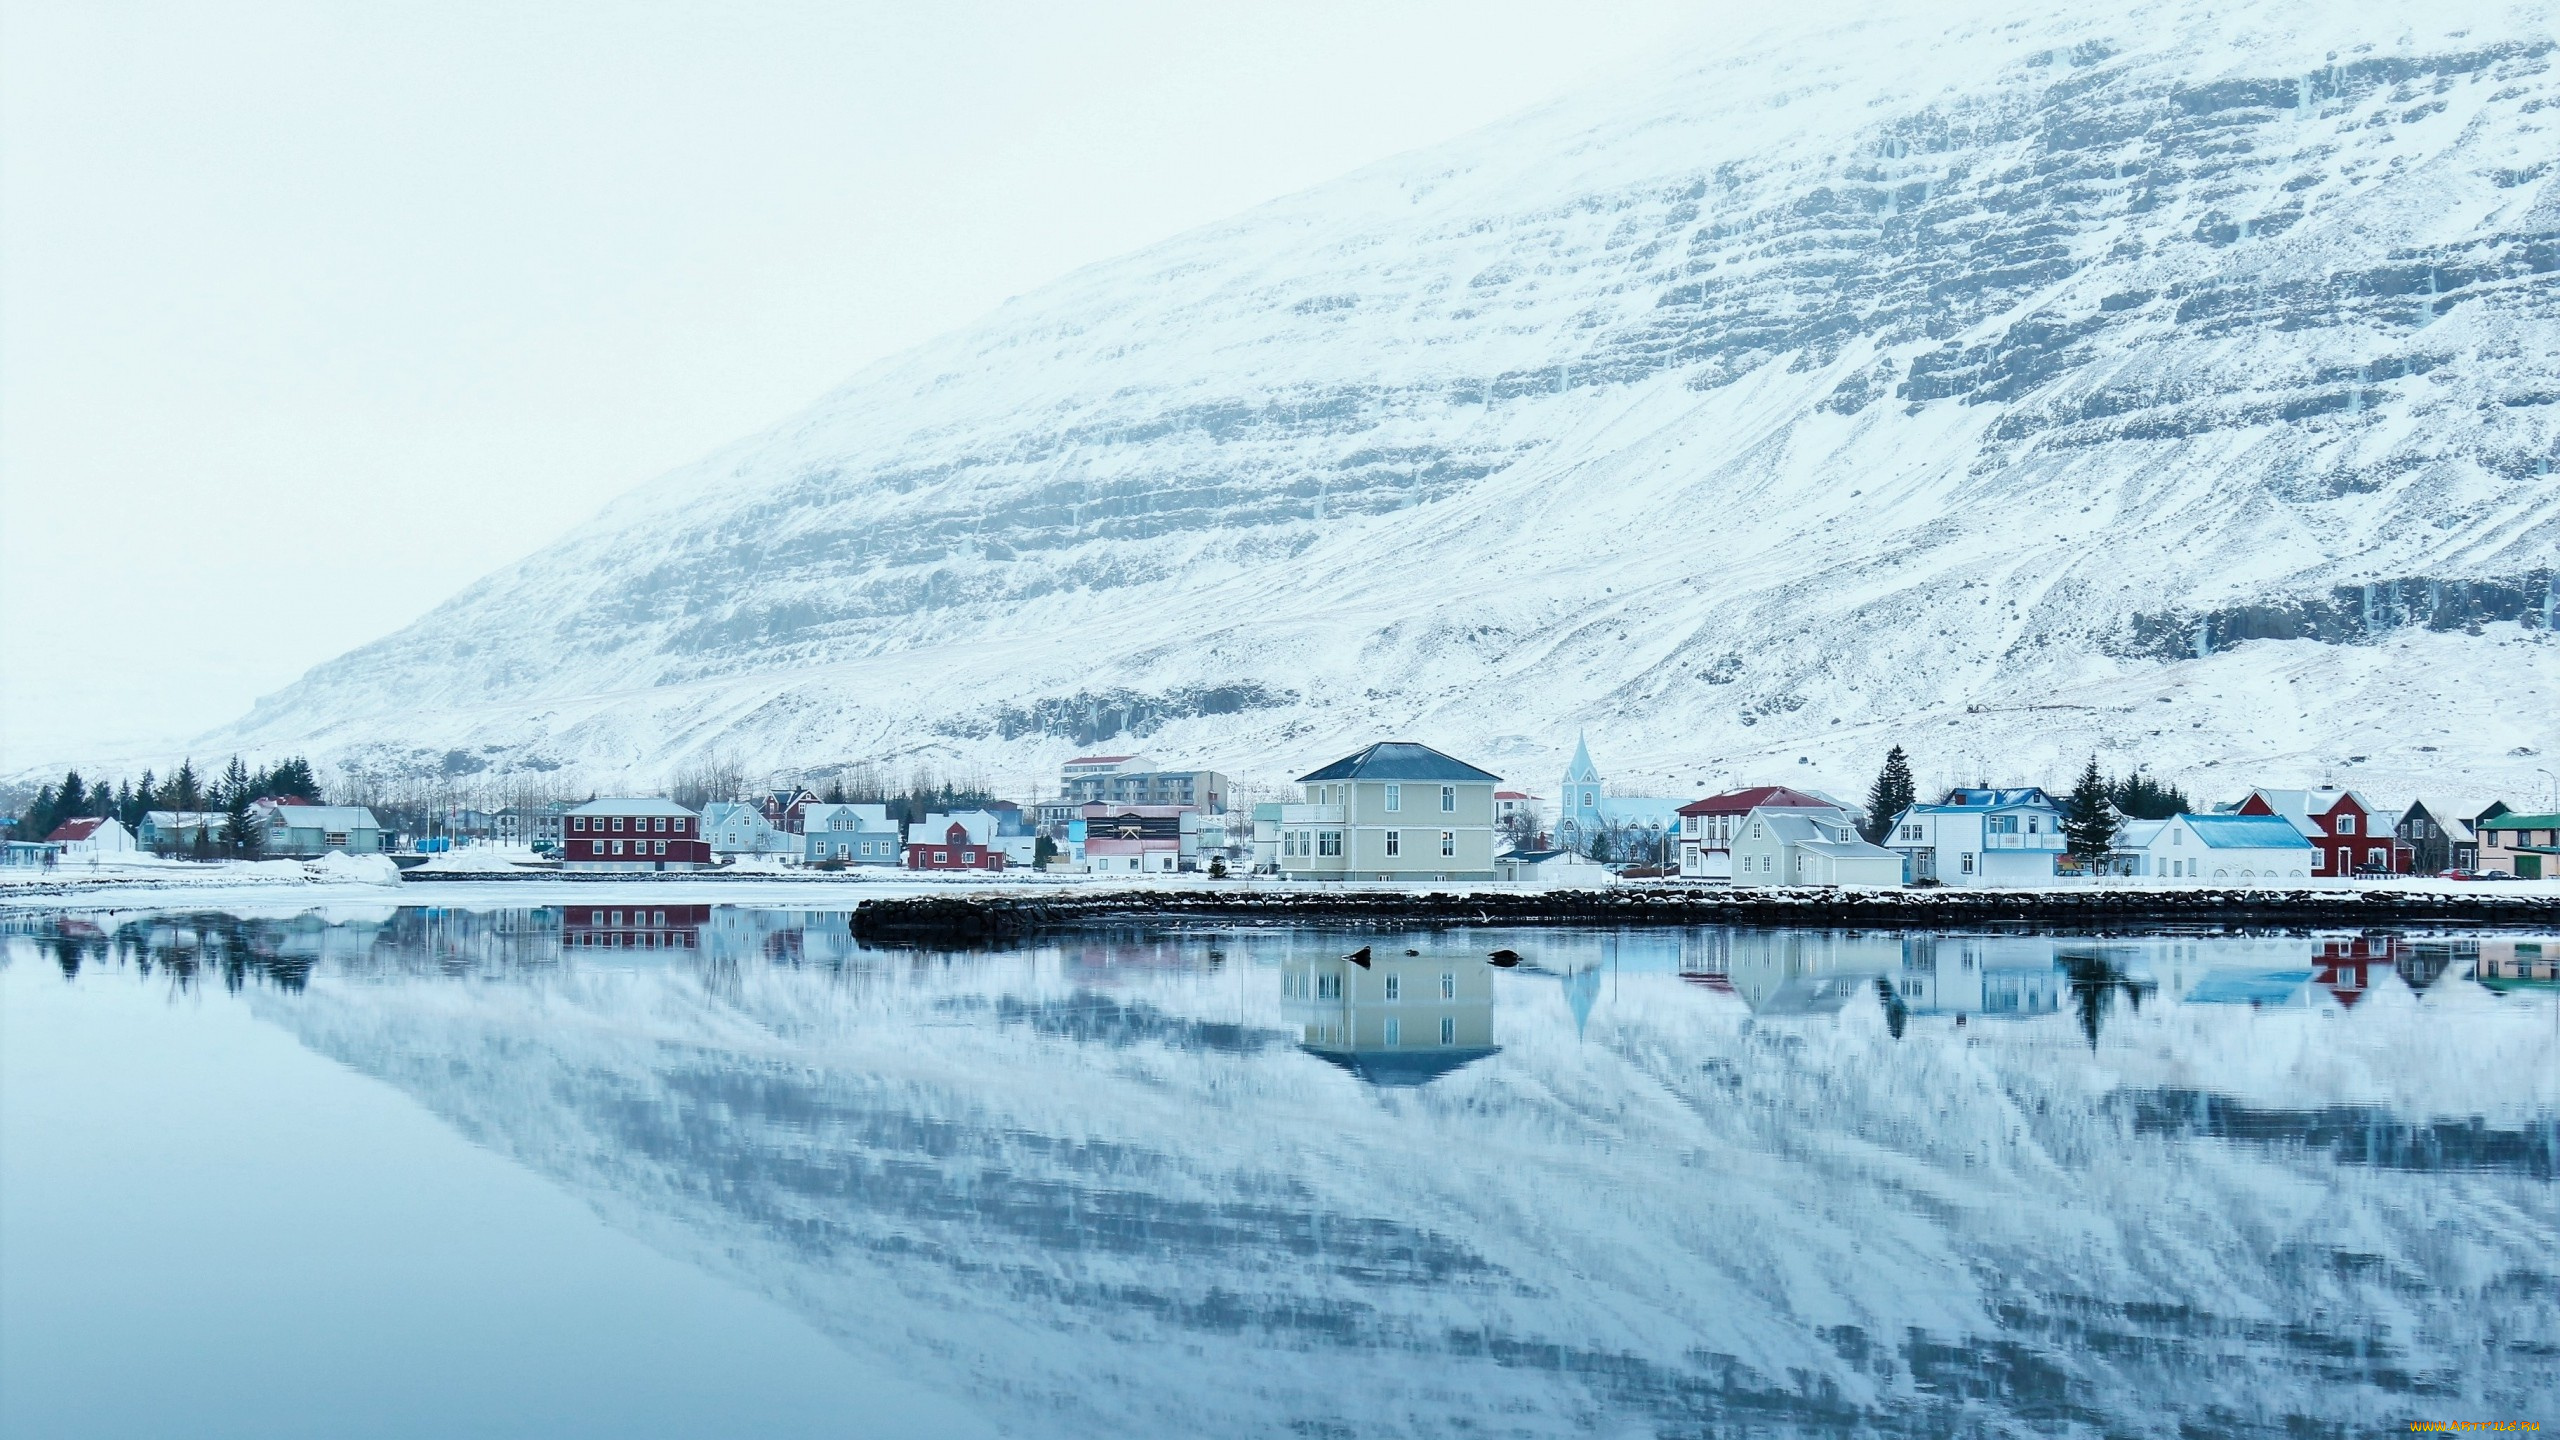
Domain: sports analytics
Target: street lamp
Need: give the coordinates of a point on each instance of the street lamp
(2555, 788)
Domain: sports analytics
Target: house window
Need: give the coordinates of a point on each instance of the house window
(1448, 1029)
(1329, 842)
(617, 824)
(1448, 799)
(1967, 863)
(617, 847)
(968, 857)
(2031, 824)
(1448, 984)
(1395, 797)
(2378, 859)
(1395, 1031)
(1328, 987)
(679, 826)
(662, 847)
(579, 824)
(1395, 842)
(2319, 858)
(1588, 800)
(1395, 989)
(1448, 843)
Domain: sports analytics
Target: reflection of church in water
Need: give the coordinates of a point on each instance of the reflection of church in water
(1404, 1020)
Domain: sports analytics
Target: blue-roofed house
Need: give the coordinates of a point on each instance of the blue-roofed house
(1978, 835)
(2221, 850)
(1394, 811)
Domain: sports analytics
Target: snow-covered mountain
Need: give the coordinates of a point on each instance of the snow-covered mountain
(2174, 378)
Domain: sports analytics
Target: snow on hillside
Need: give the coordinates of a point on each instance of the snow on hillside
(1992, 381)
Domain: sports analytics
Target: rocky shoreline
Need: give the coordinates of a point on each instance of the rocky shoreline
(979, 919)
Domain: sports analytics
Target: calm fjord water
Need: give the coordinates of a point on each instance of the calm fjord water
(724, 1171)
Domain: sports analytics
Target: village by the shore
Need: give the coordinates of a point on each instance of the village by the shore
(1394, 812)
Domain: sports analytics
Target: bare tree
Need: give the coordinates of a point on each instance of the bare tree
(708, 780)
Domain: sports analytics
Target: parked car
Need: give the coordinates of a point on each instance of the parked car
(2476, 875)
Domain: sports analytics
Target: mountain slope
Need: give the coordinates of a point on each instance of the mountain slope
(1849, 379)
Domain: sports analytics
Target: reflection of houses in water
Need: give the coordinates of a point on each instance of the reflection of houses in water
(1791, 972)
(822, 938)
(626, 927)
(2347, 968)
(1991, 975)
(2506, 962)
(1407, 1020)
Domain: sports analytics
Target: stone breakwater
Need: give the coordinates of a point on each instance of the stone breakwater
(974, 919)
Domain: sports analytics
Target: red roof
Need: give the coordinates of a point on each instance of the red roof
(1510, 795)
(1743, 802)
(1099, 759)
(70, 830)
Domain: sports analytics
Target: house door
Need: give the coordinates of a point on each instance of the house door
(2528, 867)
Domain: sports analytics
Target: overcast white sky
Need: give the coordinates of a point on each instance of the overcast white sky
(311, 314)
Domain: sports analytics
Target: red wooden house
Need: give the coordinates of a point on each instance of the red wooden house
(956, 850)
(639, 833)
(2348, 835)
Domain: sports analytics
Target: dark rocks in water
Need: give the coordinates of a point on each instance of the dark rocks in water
(1359, 957)
(1504, 959)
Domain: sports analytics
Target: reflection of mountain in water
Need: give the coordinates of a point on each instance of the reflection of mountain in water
(1120, 1198)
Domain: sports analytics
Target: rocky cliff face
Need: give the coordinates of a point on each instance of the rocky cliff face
(2026, 372)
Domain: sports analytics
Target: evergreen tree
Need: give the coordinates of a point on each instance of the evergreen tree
(31, 821)
(239, 794)
(2139, 797)
(146, 798)
(291, 780)
(2088, 817)
(71, 800)
(186, 792)
(1892, 794)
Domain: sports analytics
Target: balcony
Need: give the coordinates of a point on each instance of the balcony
(1310, 814)
(2022, 842)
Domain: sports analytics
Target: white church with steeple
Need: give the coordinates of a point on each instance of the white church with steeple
(1585, 811)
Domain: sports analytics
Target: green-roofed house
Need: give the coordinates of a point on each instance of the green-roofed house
(1395, 811)
(2525, 846)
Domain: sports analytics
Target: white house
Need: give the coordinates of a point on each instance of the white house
(1774, 846)
(92, 836)
(848, 834)
(1980, 836)
(2218, 849)
(734, 828)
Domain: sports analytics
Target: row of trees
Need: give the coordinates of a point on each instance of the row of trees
(2092, 813)
(233, 793)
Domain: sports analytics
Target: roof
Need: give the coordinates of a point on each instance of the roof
(71, 830)
(1849, 850)
(2246, 832)
(1401, 760)
(632, 805)
(1100, 759)
(184, 817)
(2513, 821)
(1743, 801)
(1579, 770)
(2138, 834)
(326, 817)
(1977, 797)
(1512, 795)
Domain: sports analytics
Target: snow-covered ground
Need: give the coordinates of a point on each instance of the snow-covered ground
(1946, 375)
